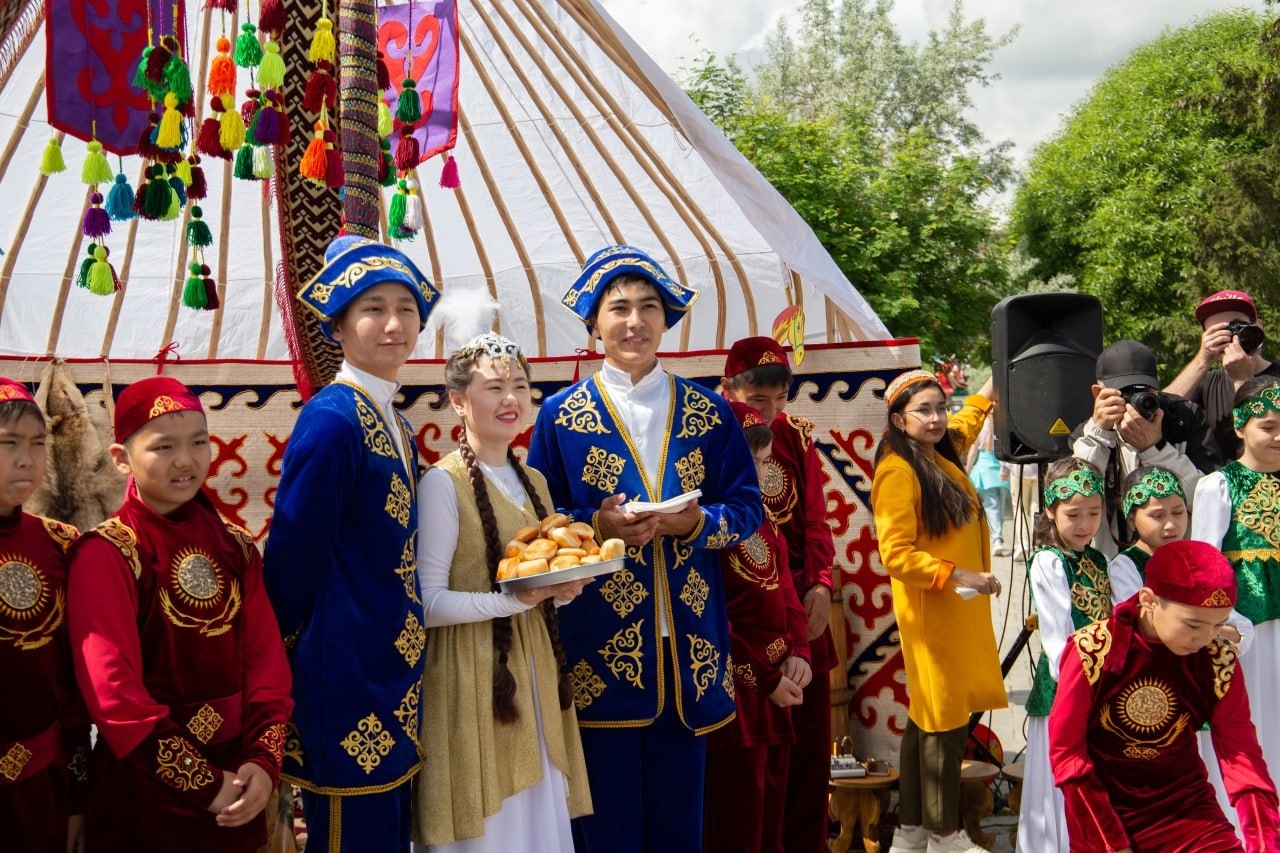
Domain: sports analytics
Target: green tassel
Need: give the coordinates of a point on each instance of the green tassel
(82, 277)
(409, 110)
(184, 172)
(51, 163)
(243, 168)
(264, 165)
(271, 69)
(193, 294)
(177, 76)
(96, 169)
(389, 166)
(395, 216)
(198, 233)
(175, 205)
(140, 80)
(248, 51)
(101, 278)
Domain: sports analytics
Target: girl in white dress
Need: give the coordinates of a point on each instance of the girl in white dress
(503, 765)
(1071, 586)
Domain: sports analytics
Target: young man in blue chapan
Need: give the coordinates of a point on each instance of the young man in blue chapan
(648, 647)
(340, 562)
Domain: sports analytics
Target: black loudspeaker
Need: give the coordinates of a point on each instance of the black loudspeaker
(1045, 350)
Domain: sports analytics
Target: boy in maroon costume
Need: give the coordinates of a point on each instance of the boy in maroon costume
(757, 373)
(747, 760)
(44, 737)
(176, 647)
(1132, 693)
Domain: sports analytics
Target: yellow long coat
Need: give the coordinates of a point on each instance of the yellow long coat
(948, 644)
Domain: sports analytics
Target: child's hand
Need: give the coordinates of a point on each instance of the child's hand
(75, 834)
(798, 670)
(817, 603)
(1229, 633)
(786, 693)
(227, 795)
(253, 786)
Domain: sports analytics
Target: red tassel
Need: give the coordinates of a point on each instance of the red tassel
(271, 16)
(321, 89)
(208, 142)
(384, 75)
(384, 164)
(199, 187)
(250, 106)
(449, 174)
(407, 151)
(147, 149)
(158, 60)
(211, 301)
(334, 175)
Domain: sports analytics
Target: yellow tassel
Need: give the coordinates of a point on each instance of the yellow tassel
(170, 133)
(322, 43)
(385, 125)
(230, 125)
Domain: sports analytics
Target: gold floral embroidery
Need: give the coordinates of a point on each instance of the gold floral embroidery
(774, 479)
(603, 469)
(695, 593)
(623, 655)
(407, 713)
(198, 584)
(320, 291)
(1223, 655)
(691, 470)
(412, 640)
(163, 405)
(244, 538)
(179, 765)
(205, 724)
(1219, 598)
(272, 740)
(368, 743)
(1260, 510)
(62, 534)
(1093, 599)
(778, 493)
(756, 568)
(13, 761)
(408, 570)
(776, 650)
(1144, 708)
(1093, 642)
(578, 413)
(587, 686)
(726, 682)
(623, 592)
(698, 415)
(25, 599)
(722, 537)
(376, 437)
(398, 500)
(744, 673)
(78, 766)
(292, 743)
(122, 536)
(704, 661)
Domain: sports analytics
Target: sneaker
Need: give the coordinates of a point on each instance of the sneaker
(909, 839)
(956, 842)
(998, 549)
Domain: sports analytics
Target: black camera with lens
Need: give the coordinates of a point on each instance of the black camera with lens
(1146, 401)
(1248, 334)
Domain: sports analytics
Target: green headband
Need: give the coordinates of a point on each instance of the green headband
(1082, 481)
(1256, 407)
(1157, 484)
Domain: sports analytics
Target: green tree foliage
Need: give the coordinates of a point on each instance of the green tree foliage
(1118, 199)
(868, 138)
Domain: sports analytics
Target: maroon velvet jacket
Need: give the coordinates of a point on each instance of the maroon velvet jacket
(766, 626)
(792, 492)
(1122, 739)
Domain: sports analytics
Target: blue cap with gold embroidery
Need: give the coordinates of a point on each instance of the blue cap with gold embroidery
(354, 264)
(607, 264)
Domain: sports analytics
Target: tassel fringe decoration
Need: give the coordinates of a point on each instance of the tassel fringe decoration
(197, 187)
(193, 293)
(120, 200)
(222, 71)
(96, 169)
(97, 223)
(323, 44)
(248, 51)
(198, 233)
(271, 17)
(51, 162)
(409, 109)
(101, 278)
(271, 69)
(449, 174)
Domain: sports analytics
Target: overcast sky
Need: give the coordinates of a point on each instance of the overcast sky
(1060, 50)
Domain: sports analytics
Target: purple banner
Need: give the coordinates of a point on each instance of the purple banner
(421, 39)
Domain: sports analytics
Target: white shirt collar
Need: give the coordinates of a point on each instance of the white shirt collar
(620, 380)
(381, 390)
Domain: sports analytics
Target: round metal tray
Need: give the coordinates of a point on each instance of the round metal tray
(590, 570)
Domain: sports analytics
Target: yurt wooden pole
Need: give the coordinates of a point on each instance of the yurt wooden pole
(358, 104)
(495, 192)
(224, 253)
(268, 278)
(535, 170)
(831, 318)
(20, 128)
(117, 302)
(6, 271)
(175, 296)
(68, 275)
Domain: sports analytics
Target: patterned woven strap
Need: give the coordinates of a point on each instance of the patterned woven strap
(358, 103)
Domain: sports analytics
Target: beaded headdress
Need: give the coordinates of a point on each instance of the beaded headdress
(1082, 481)
(1256, 406)
(493, 345)
(1155, 484)
(904, 381)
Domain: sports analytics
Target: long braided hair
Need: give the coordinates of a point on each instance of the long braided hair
(457, 377)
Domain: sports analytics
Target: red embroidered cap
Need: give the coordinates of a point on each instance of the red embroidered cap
(748, 353)
(148, 399)
(1193, 573)
(1226, 300)
(12, 389)
(747, 416)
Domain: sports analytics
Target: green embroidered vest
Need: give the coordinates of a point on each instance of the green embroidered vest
(1252, 543)
(1090, 587)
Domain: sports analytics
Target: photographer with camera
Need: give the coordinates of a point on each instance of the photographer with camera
(1135, 423)
(1233, 337)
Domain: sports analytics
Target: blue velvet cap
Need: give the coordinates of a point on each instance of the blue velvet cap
(609, 263)
(354, 264)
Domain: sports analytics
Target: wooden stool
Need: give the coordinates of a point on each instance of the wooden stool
(860, 800)
(976, 801)
(1014, 773)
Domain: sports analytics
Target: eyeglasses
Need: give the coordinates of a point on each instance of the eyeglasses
(927, 414)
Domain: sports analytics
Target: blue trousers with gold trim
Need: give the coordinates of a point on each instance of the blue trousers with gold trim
(364, 823)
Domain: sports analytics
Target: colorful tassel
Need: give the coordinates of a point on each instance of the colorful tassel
(198, 233)
(449, 174)
(412, 212)
(193, 293)
(222, 71)
(230, 127)
(407, 151)
(271, 17)
(82, 274)
(243, 168)
(386, 169)
(96, 169)
(51, 162)
(252, 102)
(264, 165)
(158, 195)
(197, 187)
(323, 45)
(209, 141)
(271, 69)
(322, 90)
(170, 133)
(335, 175)
(147, 148)
(101, 278)
(385, 124)
(175, 207)
(96, 221)
(177, 76)
(179, 189)
(157, 61)
(140, 76)
(248, 51)
(313, 163)
(384, 73)
(395, 212)
(120, 200)
(211, 300)
(409, 110)
(221, 5)
(266, 126)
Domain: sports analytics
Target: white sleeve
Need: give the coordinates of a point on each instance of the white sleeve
(1094, 445)
(1053, 605)
(1212, 516)
(437, 540)
(1125, 580)
(1242, 624)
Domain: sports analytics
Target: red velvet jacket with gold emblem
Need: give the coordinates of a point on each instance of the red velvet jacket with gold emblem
(792, 491)
(766, 626)
(48, 723)
(1122, 740)
(177, 650)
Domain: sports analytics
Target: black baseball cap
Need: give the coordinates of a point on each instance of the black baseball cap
(1126, 363)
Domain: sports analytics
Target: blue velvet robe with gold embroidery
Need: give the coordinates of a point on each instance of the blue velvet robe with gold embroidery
(612, 631)
(341, 572)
